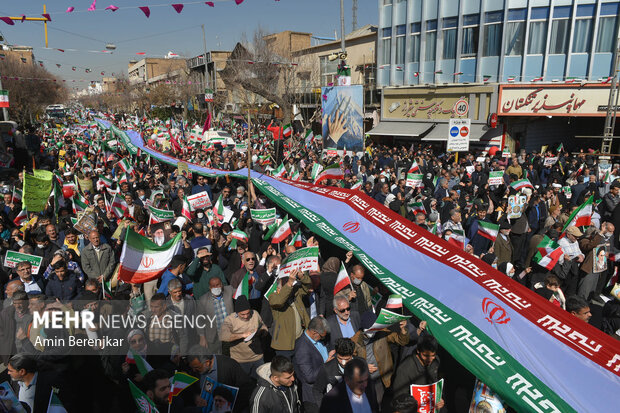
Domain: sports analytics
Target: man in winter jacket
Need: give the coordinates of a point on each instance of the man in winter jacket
(276, 390)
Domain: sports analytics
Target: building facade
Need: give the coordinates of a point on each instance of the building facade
(154, 70)
(558, 47)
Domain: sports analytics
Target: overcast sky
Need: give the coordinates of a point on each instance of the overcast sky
(164, 31)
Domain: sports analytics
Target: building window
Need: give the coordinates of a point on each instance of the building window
(414, 45)
(560, 29)
(469, 45)
(431, 40)
(449, 37)
(328, 70)
(582, 35)
(401, 31)
(515, 36)
(387, 45)
(492, 33)
(538, 30)
(387, 2)
(605, 36)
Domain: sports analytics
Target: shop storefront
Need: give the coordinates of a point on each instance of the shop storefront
(422, 114)
(548, 114)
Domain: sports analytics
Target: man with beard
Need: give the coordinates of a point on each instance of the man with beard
(157, 387)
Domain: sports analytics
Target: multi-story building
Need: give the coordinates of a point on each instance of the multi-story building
(317, 67)
(23, 53)
(491, 53)
(154, 70)
(215, 62)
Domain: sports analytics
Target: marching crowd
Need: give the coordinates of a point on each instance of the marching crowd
(302, 348)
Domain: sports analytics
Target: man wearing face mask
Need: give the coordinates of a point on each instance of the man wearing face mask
(331, 373)
(362, 301)
(45, 249)
(202, 270)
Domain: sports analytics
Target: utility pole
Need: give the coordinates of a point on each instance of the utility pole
(207, 81)
(354, 16)
(342, 26)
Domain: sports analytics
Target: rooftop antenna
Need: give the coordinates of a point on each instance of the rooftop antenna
(354, 16)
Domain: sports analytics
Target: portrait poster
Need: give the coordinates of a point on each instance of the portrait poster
(599, 263)
(9, 403)
(220, 397)
(343, 117)
(484, 400)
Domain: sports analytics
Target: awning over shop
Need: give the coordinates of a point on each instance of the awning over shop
(413, 129)
(477, 133)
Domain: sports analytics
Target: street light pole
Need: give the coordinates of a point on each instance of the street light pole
(342, 26)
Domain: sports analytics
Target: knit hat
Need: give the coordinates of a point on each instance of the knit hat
(241, 304)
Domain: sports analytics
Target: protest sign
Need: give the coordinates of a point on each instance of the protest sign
(8, 400)
(87, 222)
(485, 400)
(183, 170)
(387, 318)
(516, 202)
(199, 201)
(550, 161)
(496, 178)
(305, 259)
(12, 258)
(219, 397)
(263, 216)
(37, 190)
(427, 396)
(414, 180)
(160, 215)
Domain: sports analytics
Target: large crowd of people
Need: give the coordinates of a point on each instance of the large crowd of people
(302, 348)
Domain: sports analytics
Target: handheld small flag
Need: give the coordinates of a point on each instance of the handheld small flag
(549, 253)
(145, 405)
(244, 287)
(180, 381)
(488, 230)
(343, 280)
(394, 301)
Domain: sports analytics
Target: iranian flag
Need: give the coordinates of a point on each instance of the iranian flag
(457, 238)
(287, 130)
(417, 207)
(239, 235)
(55, 405)
(142, 260)
(218, 208)
(118, 206)
(145, 405)
(21, 218)
(331, 172)
(488, 230)
(582, 216)
(142, 365)
(282, 231)
(414, 168)
(394, 301)
(343, 280)
(279, 171)
(125, 165)
(244, 287)
(4, 98)
(295, 176)
(17, 195)
(308, 137)
(79, 203)
(104, 182)
(123, 179)
(160, 215)
(297, 241)
(357, 185)
(580, 170)
(549, 253)
(180, 381)
(187, 209)
(521, 183)
(316, 170)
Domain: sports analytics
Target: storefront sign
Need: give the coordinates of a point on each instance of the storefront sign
(556, 100)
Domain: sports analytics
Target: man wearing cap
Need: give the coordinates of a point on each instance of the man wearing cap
(201, 270)
(242, 330)
(503, 246)
(570, 246)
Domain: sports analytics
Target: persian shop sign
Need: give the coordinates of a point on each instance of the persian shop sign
(422, 106)
(553, 100)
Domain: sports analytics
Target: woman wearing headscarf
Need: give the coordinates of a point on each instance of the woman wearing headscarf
(328, 277)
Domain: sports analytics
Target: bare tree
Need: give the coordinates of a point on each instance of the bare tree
(31, 88)
(258, 68)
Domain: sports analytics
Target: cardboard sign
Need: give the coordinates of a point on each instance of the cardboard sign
(12, 258)
(427, 396)
(414, 180)
(199, 201)
(87, 222)
(496, 178)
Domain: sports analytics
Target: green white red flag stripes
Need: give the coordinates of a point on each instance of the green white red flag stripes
(521, 183)
(548, 253)
(282, 231)
(488, 230)
(17, 195)
(296, 240)
(331, 172)
(263, 216)
(582, 216)
(280, 171)
(239, 235)
(145, 405)
(126, 166)
(142, 260)
(394, 301)
(180, 381)
(343, 280)
(507, 365)
(160, 215)
(186, 211)
(244, 287)
(287, 130)
(414, 168)
(457, 238)
(4, 98)
(316, 170)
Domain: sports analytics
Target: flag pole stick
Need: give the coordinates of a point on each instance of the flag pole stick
(170, 397)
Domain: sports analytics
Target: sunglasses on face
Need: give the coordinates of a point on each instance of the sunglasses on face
(344, 310)
(250, 259)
